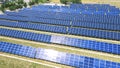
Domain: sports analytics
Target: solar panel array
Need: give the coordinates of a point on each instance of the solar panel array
(71, 30)
(75, 24)
(35, 26)
(69, 20)
(97, 21)
(88, 44)
(55, 56)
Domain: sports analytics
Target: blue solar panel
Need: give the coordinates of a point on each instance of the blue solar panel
(58, 57)
(91, 14)
(94, 33)
(68, 41)
(61, 29)
(79, 19)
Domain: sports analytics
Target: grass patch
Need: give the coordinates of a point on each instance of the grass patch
(14, 63)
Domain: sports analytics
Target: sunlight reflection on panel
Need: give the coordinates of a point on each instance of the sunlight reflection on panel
(51, 54)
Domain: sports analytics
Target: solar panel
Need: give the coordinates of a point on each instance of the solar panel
(68, 41)
(79, 19)
(56, 56)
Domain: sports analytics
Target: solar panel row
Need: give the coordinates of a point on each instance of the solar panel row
(34, 26)
(70, 30)
(55, 56)
(94, 18)
(75, 42)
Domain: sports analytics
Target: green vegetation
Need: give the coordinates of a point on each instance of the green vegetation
(2, 8)
(33, 2)
(64, 1)
(42, 1)
(73, 1)
(25, 5)
(12, 8)
(13, 5)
